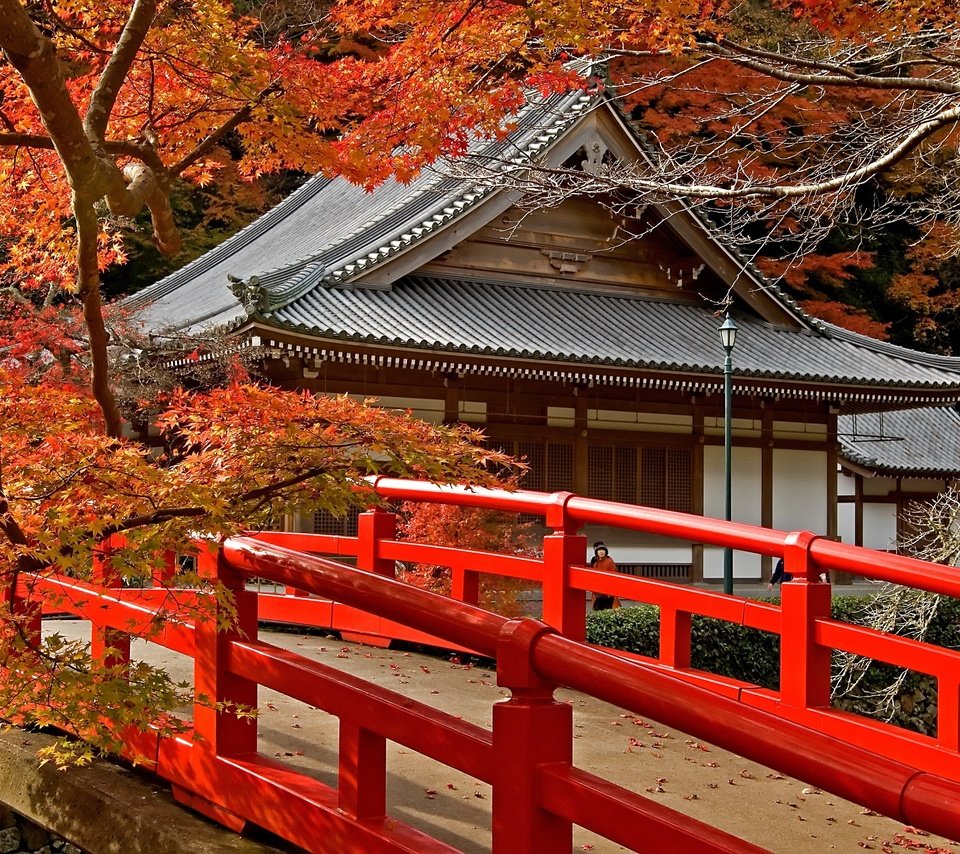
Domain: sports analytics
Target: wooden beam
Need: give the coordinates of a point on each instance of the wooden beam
(766, 485)
(580, 452)
(696, 549)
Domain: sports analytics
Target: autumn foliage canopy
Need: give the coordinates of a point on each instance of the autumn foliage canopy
(105, 106)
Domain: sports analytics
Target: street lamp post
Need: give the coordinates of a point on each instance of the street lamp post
(728, 337)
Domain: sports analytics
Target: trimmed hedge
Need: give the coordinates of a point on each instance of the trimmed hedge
(753, 656)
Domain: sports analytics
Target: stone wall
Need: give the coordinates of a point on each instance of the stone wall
(19, 835)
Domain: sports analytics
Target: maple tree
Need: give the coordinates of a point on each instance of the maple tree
(475, 529)
(224, 461)
(105, 106)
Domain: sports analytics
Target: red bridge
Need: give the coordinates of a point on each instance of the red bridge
(526, 755)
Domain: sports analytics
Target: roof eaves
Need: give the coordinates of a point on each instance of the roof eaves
(242, 238)
(606, 361)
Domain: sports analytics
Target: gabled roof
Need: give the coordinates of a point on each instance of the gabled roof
(336, 264)
(913, 443)
(331, 233)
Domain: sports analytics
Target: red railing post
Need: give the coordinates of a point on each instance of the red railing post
(948, 712)
(164, 575)
(362, 782)
(372, 527)
(804, 664)
(465, 585)
(218, 693)
(530, 730)
(26, 611)
(108, 647)
(564, 607)
(675, 626)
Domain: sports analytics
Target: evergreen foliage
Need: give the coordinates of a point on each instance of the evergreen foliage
(752, 656)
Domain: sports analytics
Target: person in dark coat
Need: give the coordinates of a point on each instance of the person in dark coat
(779, 575)
(601, 560)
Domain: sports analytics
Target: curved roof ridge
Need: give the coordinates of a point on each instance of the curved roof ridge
(244, 237)
(459, 197)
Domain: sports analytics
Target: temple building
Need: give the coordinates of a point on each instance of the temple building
(581, 336)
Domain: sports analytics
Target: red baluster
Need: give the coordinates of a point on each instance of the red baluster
(164, 575)
(804, 664)
(219, 692)
(362, 785)
(465, 585)
(530, 730)
(675, 636)
(372, 527)
(108, 647)
(564, 608)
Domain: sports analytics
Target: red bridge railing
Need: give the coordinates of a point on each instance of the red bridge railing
(526, 755)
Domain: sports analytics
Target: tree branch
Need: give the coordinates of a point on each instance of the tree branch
(115, 72)
(766, 63)
(619, 177)
(165, 514)
(88, 278)
(238, 118)
(111, 146)
(32, 54)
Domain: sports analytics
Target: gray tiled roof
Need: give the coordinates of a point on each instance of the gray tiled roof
(915, 441)
(297, 265)
(508, 320)
(328, 232)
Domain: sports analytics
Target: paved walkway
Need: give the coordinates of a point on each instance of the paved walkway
(680, 771)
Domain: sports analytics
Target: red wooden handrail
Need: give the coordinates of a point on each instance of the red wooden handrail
(527, 755)
(876, 781)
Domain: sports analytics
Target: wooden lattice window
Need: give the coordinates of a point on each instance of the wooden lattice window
(551, 464)
(325, 522)
(679, 488)
(625, 475)
(612, 473)
(667, 478)
(534, 454)
(559, 475)
(600, 472)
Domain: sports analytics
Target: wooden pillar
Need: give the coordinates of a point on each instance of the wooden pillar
(898, 494)
(580, 442)
(766, 483)
(696, 549)
(858, 509)
(833, 501)
(832, 474)
(451, 404)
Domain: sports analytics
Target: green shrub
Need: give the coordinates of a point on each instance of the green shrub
(753, 656)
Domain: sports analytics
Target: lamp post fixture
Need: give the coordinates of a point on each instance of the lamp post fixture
(728, 337)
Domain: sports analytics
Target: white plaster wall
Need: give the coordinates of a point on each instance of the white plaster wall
(879, 526)
(846, 483)
(847, 523)
(800, 491)
(745, 489)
